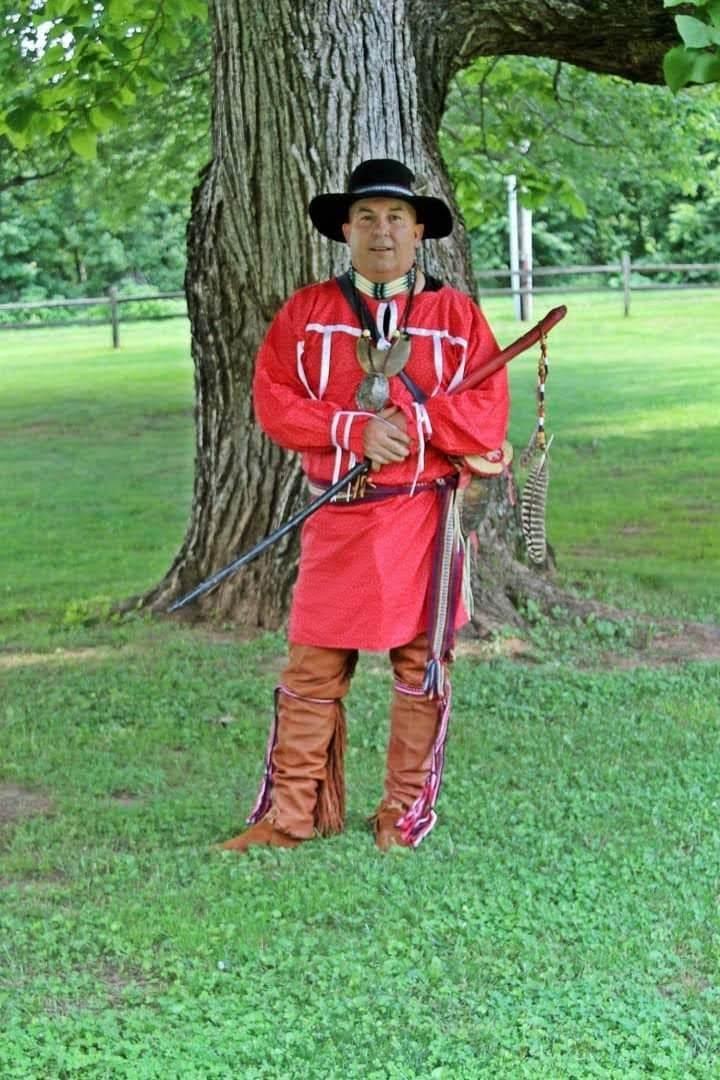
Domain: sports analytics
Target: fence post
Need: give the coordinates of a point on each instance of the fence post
(526, 261)
(114, 317)
(515, 281)
(626, 281)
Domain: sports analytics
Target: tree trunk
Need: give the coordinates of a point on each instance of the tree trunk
(302, 93)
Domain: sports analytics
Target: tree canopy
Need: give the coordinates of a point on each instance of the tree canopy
(73, 70)
(608, 165)
(72, 225)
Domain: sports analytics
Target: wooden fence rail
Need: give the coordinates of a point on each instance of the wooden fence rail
(523, 285)
(111, 301)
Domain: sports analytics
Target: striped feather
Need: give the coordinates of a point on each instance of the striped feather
(532, 510)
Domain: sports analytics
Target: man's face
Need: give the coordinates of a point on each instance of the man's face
(383, 235)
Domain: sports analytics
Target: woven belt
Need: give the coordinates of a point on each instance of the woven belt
(367, 491)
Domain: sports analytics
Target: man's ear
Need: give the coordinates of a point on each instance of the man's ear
(419, 230)
(346, 231)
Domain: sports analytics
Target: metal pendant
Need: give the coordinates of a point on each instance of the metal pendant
(390, 361)
(373, 392)
(364, 350)
(398, 355)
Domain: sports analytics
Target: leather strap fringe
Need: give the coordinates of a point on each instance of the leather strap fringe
(419, 819)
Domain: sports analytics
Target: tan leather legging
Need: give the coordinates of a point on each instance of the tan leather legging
(309, 710)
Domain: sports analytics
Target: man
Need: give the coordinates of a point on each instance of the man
(363, 366)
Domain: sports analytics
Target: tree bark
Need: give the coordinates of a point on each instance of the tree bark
(302, 93)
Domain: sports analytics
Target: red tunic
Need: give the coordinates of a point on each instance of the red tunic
(365, 568)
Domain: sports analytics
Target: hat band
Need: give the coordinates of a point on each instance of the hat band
(369, 188)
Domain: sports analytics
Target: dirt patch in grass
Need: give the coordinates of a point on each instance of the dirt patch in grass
(122, 797)
(17, 802)
(37, 427)
(688, 643)
(677, 644)
(509, 648)
(636, 530)
(273, 665)
(59, 656)
(687, 981)
(117, 983)
(111, 987)
(33, 884)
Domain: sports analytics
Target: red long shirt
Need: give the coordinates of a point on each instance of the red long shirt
(365, 568)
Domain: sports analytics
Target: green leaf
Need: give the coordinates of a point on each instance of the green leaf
(106, 116)
(686, 3)
(54, 55)
(40, 124)
(706, 68)
(121, 52)
(55, 9)
(56, 121)
(120, 9)
(18, 119)
(195, 9)
(677, 67)
(100, 119)
(83, 140)
(695, 34)
(713, 10)
(18, 138)
(62, 91)
(154, 86)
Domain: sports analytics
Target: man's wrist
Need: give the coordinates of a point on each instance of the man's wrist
(347, 430)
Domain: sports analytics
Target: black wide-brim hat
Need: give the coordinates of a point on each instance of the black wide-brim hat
(379, 178)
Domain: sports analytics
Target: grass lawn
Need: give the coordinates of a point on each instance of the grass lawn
(635, 479)
(561, 921)
(97, 451)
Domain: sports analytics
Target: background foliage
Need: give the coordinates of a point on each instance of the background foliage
(74, 223)
(607, 165)
(104, 127)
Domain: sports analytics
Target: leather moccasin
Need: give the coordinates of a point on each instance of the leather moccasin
(387, 834)
(263, 834)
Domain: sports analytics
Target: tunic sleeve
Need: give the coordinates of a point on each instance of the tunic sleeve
(284, 405)
(472, 421)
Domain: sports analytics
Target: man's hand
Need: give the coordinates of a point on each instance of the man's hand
(385, 439)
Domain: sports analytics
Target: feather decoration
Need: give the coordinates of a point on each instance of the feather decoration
(532, 508)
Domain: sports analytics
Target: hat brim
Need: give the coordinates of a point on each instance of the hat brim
(329, 213)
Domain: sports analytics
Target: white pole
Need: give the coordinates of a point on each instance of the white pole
(511, 183)
(626, 280)
(526, 262)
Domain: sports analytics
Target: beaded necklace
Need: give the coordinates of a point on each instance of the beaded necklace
(383, 290)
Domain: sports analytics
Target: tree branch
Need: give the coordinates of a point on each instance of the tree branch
(20, 179)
